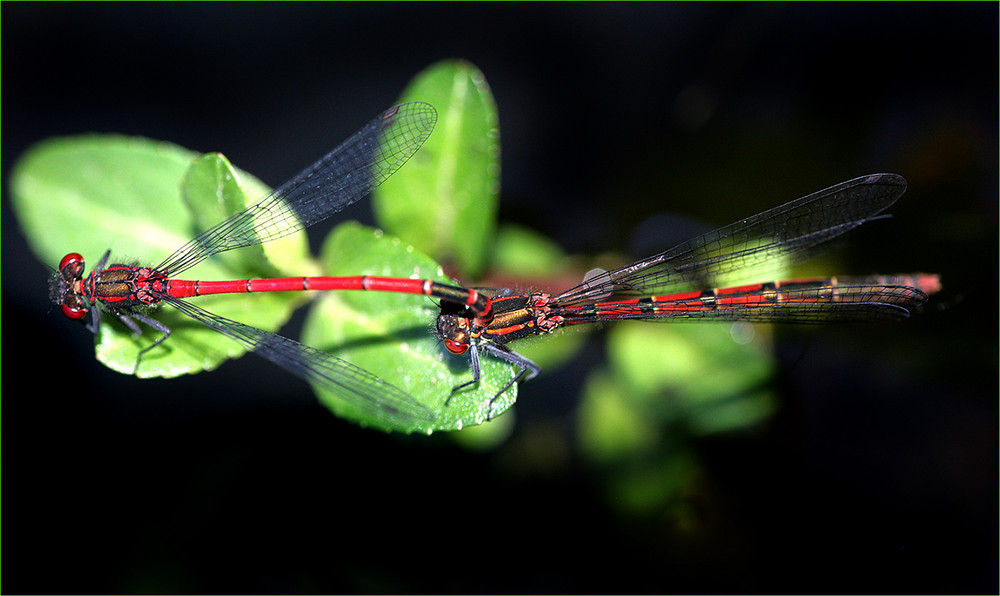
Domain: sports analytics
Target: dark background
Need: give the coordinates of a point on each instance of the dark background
(878, 473)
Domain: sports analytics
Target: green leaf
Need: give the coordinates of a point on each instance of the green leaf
(391, 336)
(704, 376)
(524, 252)
(213, 190)
(612, 426)
(666, 383)
(91, 193)
(447, 204)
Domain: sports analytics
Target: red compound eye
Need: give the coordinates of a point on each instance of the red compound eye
(74, 308)
(72, 259)
(456, 348)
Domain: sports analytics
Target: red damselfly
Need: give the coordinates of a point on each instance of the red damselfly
(672, 284)
(342, 177)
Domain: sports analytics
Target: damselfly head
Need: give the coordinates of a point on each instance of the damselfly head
(454, 330)
(63, 286)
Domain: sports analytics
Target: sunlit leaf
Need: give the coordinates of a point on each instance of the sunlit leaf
(447, 204)
(391, 334)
